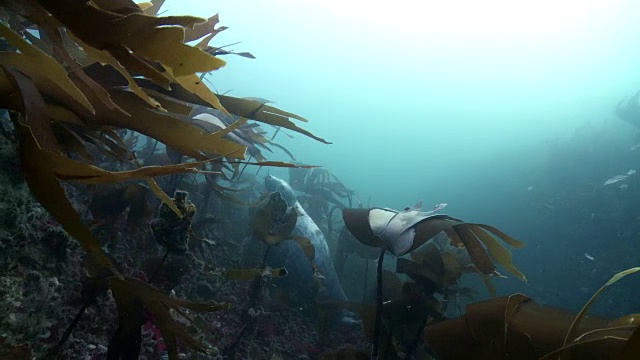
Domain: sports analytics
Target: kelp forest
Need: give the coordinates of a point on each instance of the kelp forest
(139, 221)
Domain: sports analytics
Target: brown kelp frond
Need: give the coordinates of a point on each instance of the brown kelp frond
(475, 250)
(587, 306)
(86, 71)
(52, 79)
(501, 254)
(472, 237)
(631, 319)
(92, 143)
(217, 51)
(152, 7)
(82, 89)
(601, 342)
(348, 244)
(430, 272)
(205, 29)
(145, 37)
(211, 120)
(502, 236)
(631, 348)
(400, 232)
(403, 232)
(271, 163)
(475, 239)
(134, 297)
(519, 328)
(570, 337)
(36, 161)
(246, 108)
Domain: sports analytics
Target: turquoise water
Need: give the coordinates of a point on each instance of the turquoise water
(425, 96)
(517, 116)
(500, 110)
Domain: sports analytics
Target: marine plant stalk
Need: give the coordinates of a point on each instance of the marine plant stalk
(376, 328)
(250, 322)
(366, 279)
(157, 271)
(414, 344)
(55, 351)
(244, 167)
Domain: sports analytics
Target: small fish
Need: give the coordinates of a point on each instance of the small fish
(530, 188)
(623, 187)
(589, 257)
(619, 178)
(615, 179)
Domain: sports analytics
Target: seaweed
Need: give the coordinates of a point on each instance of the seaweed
(133, 297)
(320, 193)
(403, 232)
(93, 95)
(571, 341)
(516, 327)
(400, 320)
(75, 77)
